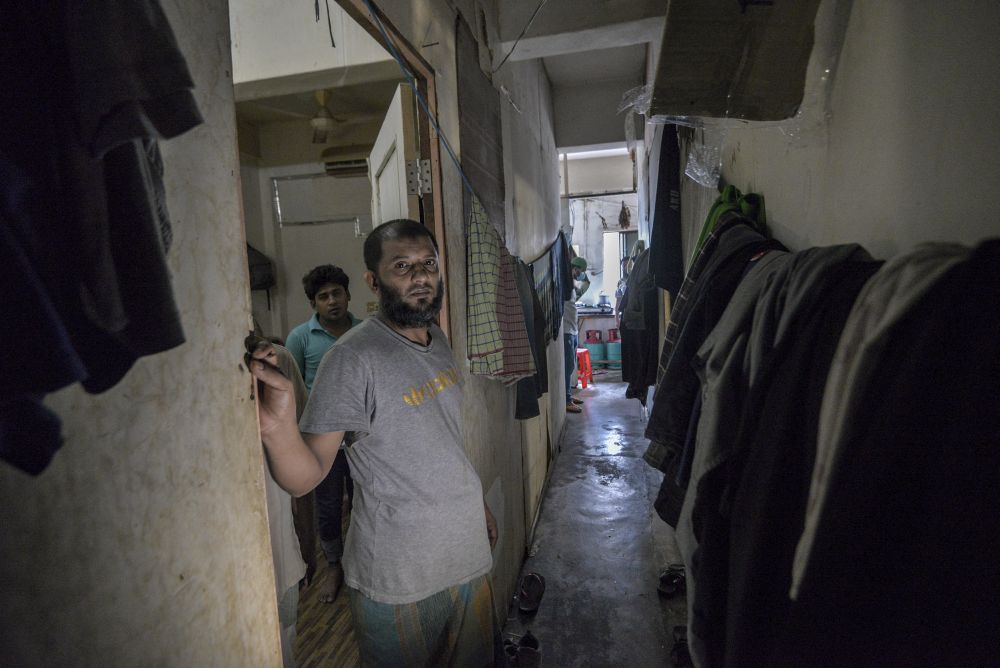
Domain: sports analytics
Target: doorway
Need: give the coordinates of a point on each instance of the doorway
(325, 156)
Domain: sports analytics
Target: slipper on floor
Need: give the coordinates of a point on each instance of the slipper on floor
(530, 592)
(672, 581)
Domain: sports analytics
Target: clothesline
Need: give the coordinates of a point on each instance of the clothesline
(544, 252)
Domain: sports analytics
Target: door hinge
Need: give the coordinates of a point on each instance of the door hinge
(418, 177)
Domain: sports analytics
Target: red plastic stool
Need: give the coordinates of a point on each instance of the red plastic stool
(583, 370)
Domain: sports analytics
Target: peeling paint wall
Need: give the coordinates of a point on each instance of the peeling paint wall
(906, 149)
(145, 543)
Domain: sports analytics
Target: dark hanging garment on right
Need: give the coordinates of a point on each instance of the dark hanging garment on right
(640, 330)
(82, 194)
(903, 566)
(667, 259)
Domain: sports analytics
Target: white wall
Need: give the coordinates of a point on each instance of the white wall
(145, 543)
(561, 15)
(590, 235)
(280, 39)
(911, 148)
(530, 160)
(302, 247)
(600, 175)
(588, 113)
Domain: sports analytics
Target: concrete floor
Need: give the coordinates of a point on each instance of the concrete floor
(600, 545)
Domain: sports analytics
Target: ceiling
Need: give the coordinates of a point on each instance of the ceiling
(354, 103)
(618, 63)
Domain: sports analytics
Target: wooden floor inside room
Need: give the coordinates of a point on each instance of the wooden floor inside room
(324, 632)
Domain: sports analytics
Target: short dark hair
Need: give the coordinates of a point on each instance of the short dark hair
(401, 228)
(325, 274)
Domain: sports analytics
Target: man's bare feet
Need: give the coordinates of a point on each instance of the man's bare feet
(332, 581)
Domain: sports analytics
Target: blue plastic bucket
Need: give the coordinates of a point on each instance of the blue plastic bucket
(597, 352)
(614, 355)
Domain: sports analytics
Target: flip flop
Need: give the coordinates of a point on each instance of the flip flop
(672, 581)
(530, 592)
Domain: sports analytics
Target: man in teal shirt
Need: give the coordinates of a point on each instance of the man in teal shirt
(326, 287)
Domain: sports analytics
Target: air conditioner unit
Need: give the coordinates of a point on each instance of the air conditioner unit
(345, 168)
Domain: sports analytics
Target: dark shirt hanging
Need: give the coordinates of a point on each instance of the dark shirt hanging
(903, 567)
(96, 83)
(667, 258)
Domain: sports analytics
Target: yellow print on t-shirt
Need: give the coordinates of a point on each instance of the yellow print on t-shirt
(433, 387)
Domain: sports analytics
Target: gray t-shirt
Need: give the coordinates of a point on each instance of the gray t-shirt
(417, 524)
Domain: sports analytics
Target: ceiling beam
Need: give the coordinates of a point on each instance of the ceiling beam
(608, 36)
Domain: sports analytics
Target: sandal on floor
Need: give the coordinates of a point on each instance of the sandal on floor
(530, 592)
(680, 657)
(672, 581)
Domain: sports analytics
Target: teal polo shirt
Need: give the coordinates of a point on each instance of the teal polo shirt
(308, 343)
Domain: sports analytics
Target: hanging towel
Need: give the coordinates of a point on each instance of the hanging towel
(498, 340)
(518, 361)
(483, 279)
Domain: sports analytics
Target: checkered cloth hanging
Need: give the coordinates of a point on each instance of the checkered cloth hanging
(498, 344)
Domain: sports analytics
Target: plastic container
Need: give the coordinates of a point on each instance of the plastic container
(598, 352)
(614, 355)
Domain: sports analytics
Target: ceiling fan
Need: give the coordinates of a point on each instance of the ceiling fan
(322, 121)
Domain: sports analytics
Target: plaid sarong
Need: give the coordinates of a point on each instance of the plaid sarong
(454, 627)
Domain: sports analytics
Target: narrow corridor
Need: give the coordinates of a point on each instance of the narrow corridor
(600, 546)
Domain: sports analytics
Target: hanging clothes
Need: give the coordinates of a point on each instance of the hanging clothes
(885, 300)
(665, 236)
(902, 566)
(562, 276)
(81, 186)
(730, 363)
(498, 344)
(640, 332)
(531, 388)
(750, 206)
(706, 292)
(541, 270)
(748, 511)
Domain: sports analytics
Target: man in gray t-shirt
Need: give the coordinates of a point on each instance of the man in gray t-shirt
(417, 555)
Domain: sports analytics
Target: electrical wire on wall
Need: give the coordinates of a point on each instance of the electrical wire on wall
(329, 23)
(411, 80)
(518, 40)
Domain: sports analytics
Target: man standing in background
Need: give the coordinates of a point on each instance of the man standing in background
(326, 287)
(571, 329)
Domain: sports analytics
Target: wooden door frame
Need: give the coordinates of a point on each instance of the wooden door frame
(429, 141)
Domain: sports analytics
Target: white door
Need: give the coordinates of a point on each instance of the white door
(395, 146)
